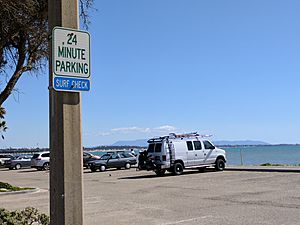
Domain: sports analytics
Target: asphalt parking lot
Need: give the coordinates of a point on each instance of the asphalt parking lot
(235, 196)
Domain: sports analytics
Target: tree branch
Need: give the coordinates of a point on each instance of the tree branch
(17, 74)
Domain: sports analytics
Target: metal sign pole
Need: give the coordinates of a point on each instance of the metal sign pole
(65, 133)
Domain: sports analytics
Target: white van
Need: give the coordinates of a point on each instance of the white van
(177, 152)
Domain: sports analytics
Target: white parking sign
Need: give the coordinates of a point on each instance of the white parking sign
(71, 59)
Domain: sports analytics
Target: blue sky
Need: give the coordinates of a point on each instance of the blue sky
(228, 68)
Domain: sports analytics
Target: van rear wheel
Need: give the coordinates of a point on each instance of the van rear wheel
(178, 168)
(160, 172)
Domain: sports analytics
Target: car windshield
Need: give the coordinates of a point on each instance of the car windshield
(105, 157)
(126, 155)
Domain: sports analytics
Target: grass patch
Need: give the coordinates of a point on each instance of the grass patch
(270, 164)
(6, 187)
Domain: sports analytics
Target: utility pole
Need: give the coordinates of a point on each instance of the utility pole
(65, 133)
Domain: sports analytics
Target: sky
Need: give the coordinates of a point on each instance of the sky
(227, 68)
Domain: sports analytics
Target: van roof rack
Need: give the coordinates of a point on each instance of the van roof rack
(173, 136)
(187, 135)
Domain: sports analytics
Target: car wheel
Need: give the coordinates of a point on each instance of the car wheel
(127, 166)
(160, 172)
(220, 165)
(201, 169)
(93, 169)
(46, 166)
(178, 169)
(102, 168)
(17, 166)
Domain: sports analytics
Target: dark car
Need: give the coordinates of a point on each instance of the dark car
(18, 162)
(88, 157)
(115, 160)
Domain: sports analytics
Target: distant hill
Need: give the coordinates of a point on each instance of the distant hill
(143, 142)
(140, 142)
(246, 142)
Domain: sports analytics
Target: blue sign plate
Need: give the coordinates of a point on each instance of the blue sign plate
(71, 84)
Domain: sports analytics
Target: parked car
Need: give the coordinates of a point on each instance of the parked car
(115, 160)
(18, 162)
(3, 158)
(88, 157)
(41, 161)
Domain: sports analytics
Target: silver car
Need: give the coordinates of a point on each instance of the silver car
(41, 161)
(4, 158)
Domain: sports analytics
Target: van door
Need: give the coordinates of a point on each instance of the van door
(199, 154)
(190, 154)
(209, 156)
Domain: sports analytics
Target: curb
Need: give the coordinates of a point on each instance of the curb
(265, 169)
(20, 192)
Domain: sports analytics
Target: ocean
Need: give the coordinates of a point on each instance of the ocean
(257, 155)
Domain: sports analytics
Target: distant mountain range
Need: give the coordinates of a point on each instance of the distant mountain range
(139, 142)
(243, 142)
(143, 142)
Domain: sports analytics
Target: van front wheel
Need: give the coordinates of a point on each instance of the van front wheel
(178, 169)
(220, 165)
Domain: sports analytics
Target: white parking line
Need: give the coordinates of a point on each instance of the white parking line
(188, 220)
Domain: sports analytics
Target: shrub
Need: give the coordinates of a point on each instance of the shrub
(28, 216)
(8, 187)
(270, 164)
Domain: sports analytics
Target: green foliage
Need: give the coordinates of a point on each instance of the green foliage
(3, 126)
(27, 216)
(270, 164)
(8, 187)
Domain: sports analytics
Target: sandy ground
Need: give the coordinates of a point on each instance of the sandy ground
(239, 195)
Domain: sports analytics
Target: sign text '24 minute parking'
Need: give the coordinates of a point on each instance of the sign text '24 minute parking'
(71, 53)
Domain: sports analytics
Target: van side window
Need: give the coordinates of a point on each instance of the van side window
(189, 145)
(150, 148)
(208, 145)
(158, 147)
(197, 145)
